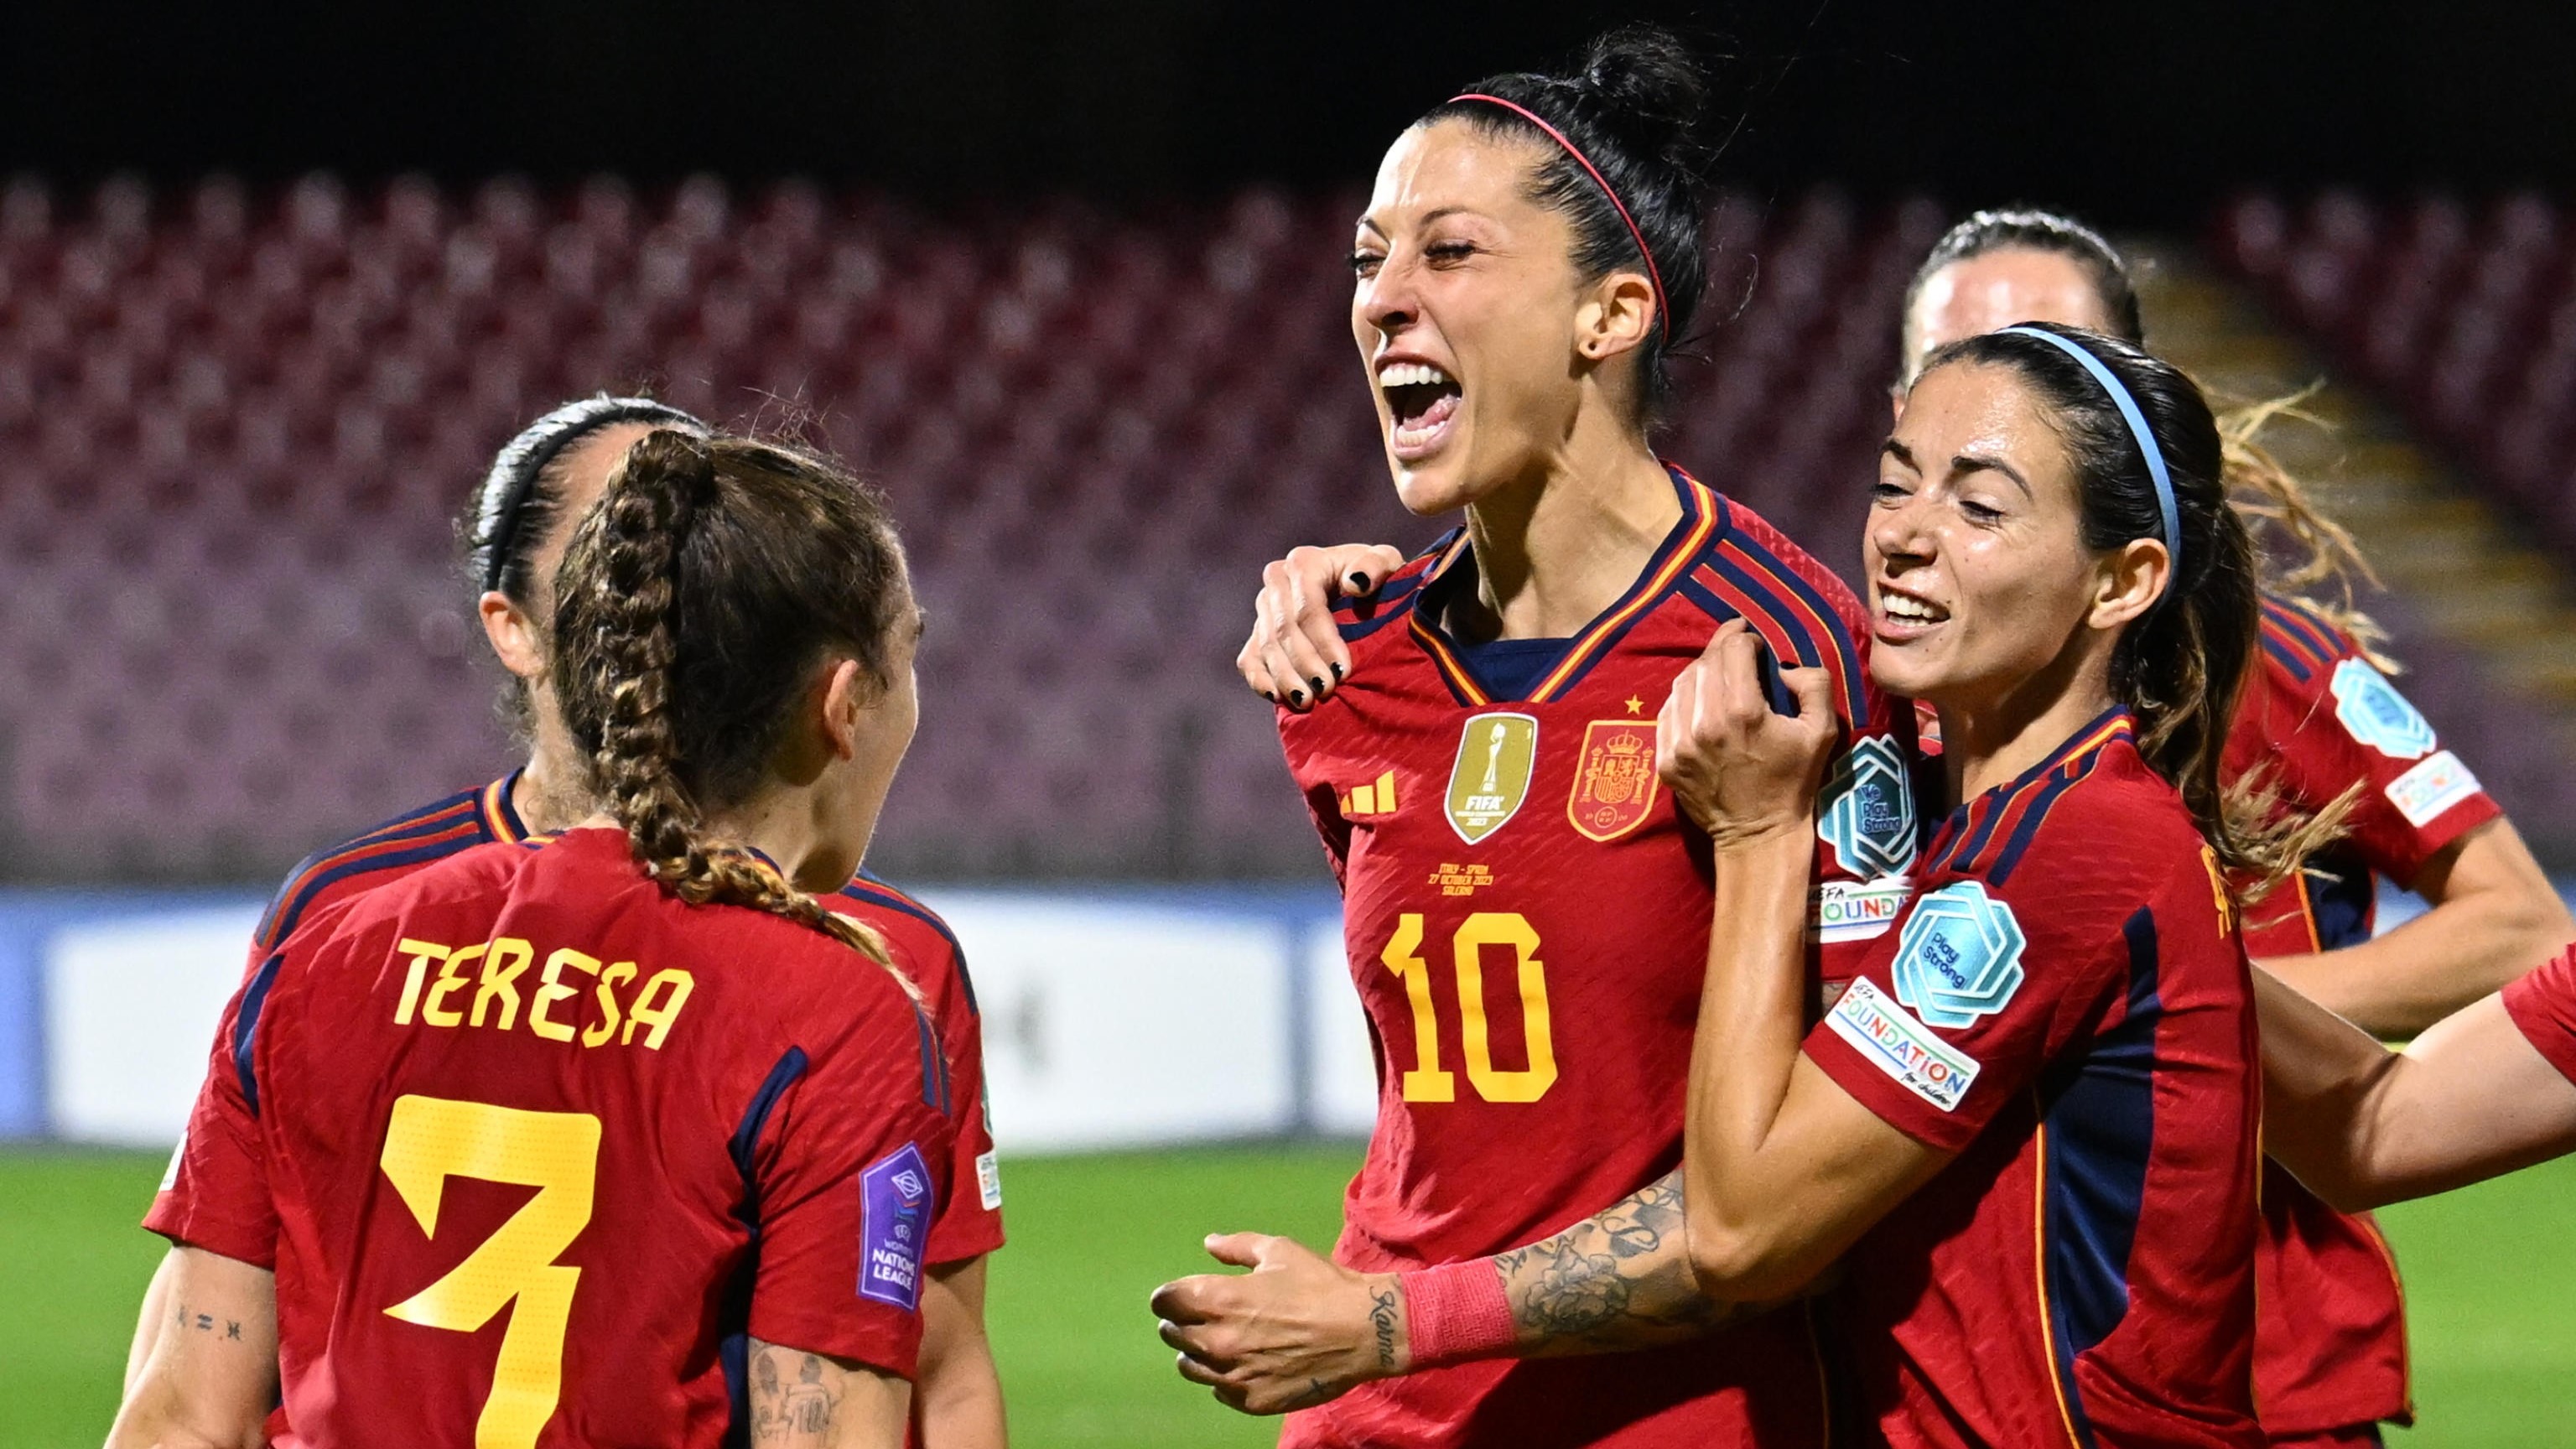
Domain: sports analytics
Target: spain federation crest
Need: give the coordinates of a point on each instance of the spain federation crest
(1614, 778)
(1497, 754)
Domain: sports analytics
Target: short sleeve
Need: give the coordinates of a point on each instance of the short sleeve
(216, 1194)
(2347, 723)
(854, 1170)
(2543, 1004)
(969, 1224)
(1960, 1006)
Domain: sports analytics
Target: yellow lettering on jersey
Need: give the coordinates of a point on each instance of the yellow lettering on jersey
(551, 989)
(1504, 928)
(422, 953)
(657, 1009)
(431, 1139)
(451, 977)
(1426, 1082)
(1462, 880)
(606, 1026)
(500, 981)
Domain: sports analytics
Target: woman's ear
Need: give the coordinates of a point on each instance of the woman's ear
(2133, 577)
(846, 697)
(514, 636)
(1616, 317)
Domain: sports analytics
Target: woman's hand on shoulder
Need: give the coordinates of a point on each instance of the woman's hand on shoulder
(1295, 655)
(1741, 770)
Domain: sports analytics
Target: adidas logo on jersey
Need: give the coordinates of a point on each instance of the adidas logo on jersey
(1374, 798)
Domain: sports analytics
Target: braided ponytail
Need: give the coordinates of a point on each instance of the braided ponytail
(624, 598)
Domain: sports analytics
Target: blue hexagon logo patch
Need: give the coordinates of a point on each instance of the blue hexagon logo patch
(1958, 956)
(1868, 815)
(2377, 715)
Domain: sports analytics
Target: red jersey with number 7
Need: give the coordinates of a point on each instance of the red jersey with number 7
(1527, 921)
(531, 1145)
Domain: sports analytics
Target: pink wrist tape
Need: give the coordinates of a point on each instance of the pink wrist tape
(1456, 1312)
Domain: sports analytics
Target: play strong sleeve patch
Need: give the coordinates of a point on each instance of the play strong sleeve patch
(894, 1222)
(1889, 1036)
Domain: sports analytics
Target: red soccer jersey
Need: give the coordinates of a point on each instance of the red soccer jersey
(1527, 922)
(731, 1124)
(2065, 1003)
(970, 1221)
(2317, 719)
(2543, 1005)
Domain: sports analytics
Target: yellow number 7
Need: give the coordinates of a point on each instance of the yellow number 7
(432, 1139)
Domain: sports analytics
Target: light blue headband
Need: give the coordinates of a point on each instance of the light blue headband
(2139, 430)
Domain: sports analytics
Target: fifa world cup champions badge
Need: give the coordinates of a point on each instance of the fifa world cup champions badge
(1614, 778)
(1497, 754)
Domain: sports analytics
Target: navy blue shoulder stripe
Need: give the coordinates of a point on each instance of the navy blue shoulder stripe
(1835, 628)
(311, 873)
(934, 1065)
(2031, 819)
(2304, 622)
(254, 1000)
(875, 891)
(1395, 598)
(1846, 653)
(418, 855)
(755, 1118)
(2288, 659)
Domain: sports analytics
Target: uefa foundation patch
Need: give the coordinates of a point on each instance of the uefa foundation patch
(894, 1224)
(2434, 785)
(1901, 1046)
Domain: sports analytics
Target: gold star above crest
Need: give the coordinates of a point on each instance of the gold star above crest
(1636, 705)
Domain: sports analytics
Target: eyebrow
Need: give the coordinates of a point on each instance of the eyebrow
(1959, 463)
(1436, 213)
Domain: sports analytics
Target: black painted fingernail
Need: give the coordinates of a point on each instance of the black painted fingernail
(1337, 671)
(1266, 694)
(1296, 696)
(1360, 582)
(1318, 682)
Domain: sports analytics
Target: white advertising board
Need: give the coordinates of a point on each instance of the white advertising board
(130, 1014)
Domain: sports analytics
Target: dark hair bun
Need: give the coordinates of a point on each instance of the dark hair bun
(1645, 87)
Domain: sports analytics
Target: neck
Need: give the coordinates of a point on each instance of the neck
(794, 828)
(1557, 547)
(1988, 744)
(551, 793)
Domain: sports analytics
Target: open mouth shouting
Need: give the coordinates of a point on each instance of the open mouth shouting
(1422, 402)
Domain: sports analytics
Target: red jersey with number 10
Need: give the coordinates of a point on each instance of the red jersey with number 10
(531, 1145)
(1527, 919)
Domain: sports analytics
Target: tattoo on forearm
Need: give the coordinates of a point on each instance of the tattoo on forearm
(798, 1412)
(1384, 1304)
(1618, 1280)
(208, 1323)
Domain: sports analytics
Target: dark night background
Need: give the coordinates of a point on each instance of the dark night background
(2138, 114)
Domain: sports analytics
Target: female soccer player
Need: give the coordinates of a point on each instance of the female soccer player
(515, 529)
(730, 1110)
(2027, 1128)
(1525, 913)
(2317, 721)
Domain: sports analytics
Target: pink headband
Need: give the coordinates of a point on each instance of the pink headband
(1663, 309)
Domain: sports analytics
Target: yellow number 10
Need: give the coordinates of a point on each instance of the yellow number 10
(1426, 1082)
(432, 1139)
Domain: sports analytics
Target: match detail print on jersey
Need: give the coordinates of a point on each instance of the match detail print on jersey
(2376, 714)
(1497, 754)
(1614, 778)
(1958, 957)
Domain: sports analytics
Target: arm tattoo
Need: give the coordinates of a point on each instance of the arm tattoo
(1384, 1304)
(1620, 1279)
(785, 1413)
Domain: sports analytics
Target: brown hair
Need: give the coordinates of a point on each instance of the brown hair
(2180, 666)
(692, 609)
(2257, 485)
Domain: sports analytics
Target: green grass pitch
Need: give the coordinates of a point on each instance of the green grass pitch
(2491, 1276)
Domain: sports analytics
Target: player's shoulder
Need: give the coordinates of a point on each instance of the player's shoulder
(1771, 557)
(381, 853)
(2092, 818)
(1368, 616)
(2302, 646)
(921, 935)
